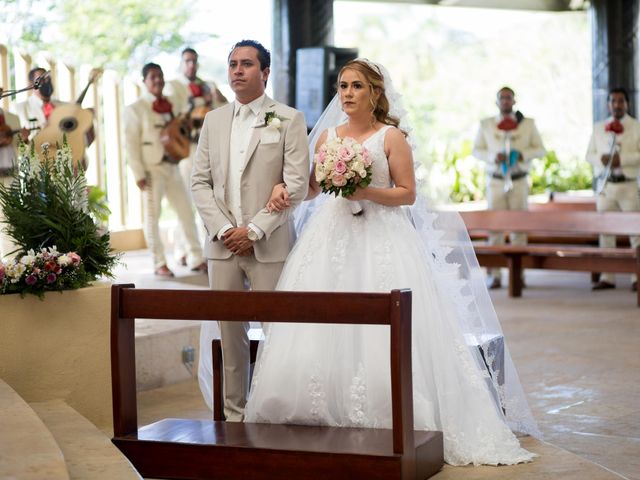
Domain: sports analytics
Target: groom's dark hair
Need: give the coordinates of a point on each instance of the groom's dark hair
(264, 56)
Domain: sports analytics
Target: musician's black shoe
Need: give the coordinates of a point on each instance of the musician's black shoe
(634, 286)
(602, 285)
(493, 283)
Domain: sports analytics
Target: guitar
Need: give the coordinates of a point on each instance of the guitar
(6, 134)
(71, 120)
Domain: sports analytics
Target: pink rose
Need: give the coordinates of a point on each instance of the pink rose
(51, 278)
(338, 180)
(341, 167)
(345, 154)
(365, 158)
(75, 258)
(322, 155)
(31, 279)
(2, 274)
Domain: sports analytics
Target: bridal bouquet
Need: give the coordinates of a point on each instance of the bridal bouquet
(43, 271)
(342, 165)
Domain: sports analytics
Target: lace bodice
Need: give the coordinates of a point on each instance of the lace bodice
(381, 176)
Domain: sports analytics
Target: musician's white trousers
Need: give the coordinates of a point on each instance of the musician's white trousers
(497, 199)
(181, 246)
(164, 180)
(618, 197)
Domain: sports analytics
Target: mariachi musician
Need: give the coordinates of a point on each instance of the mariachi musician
(150, 136)
(509, 134)
(37, 112)
(197, 97)
(10, 136)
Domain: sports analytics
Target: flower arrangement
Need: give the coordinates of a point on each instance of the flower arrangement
(47, 210)
(342, 165)
(46, 270)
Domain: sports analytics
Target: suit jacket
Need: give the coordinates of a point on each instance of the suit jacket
(628, 146)
(267, 163)
(142, 128)
(490, 141)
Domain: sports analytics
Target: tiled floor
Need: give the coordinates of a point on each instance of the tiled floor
(578, 358)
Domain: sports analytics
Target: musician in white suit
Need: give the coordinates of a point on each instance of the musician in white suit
(154, 174)
(36, 109)
(196, 97)
(489, 147)
(245, 149)
(620, 193)
(9, 123)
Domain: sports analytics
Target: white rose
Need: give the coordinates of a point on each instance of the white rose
(275, 122)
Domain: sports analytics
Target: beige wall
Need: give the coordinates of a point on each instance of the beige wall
(59, 348)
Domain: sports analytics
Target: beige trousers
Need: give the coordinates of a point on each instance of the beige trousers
(498, 199)
(233, 274)
(618, 197)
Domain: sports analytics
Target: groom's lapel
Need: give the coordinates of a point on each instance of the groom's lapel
(267, 104)
(224, 140)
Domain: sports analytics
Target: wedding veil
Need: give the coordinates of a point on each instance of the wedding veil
(445, 238)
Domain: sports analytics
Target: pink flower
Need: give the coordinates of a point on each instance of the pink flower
(2, 274)
(340, 167)
(51, 278)
(75, 258)
(322, 156)
(365, 158)
(31, 279)
(338, 180)
(345, 154)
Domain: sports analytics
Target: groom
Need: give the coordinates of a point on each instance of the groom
(245, 148)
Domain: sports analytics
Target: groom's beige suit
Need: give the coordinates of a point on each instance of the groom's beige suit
(238, 161)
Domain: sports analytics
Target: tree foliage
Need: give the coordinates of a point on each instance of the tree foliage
(117, 34)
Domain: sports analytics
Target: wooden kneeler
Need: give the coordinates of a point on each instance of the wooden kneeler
(213, 449)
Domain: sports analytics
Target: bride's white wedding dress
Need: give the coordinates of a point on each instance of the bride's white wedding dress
(339, 374)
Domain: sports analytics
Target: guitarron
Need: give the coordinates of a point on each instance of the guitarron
(71, 120)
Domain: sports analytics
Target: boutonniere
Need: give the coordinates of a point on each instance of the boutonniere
(272, 120)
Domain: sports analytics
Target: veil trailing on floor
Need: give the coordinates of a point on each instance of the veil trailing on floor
(445, 238)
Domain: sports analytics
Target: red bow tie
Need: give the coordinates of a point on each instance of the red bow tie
(162, 105)
(196, 89)
(47, 108)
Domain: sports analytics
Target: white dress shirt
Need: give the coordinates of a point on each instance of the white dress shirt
(245, 117)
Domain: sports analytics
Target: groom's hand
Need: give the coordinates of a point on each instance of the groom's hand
(236, 240)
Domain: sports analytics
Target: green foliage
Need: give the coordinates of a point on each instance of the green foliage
(549, 175)
(118, 34)
(46, 206)
(466, 175)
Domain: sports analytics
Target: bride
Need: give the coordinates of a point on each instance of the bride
(338, 375)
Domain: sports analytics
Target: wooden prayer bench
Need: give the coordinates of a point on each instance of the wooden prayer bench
(565, 256)
(213, 449)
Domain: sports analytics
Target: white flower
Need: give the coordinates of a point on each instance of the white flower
(63, 260)
(274, 122)
(28, 259)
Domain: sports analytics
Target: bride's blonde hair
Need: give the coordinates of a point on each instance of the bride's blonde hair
(379, 100)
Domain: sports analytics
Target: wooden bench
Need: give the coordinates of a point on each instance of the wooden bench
(565, 224)
(208, 449)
